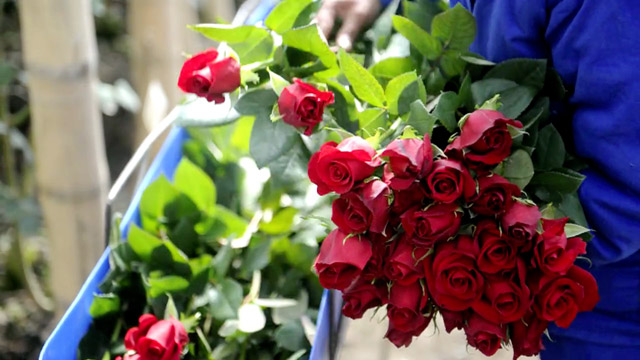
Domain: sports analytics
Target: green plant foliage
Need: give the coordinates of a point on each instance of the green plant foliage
(364, 85)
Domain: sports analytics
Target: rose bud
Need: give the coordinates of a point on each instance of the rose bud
(554, 254)
(560, 299)
(403, 338)
(408, 198)
(437, 222)
(454, 282)
(404, 266)
(495, 195)
(526, 335)
(520, 224)
(338, 167)
(156, 339)
(362, 296)
(485, 137)
(505, 299)
(497, 253)
(375, 266)
(408, 161)
(301, 105)
(204, 76)
(454, 319)
(449, 180)
(405, 308)
(341, 259)
(484, 335)
(366, 208)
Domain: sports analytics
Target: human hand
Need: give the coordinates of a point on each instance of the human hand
(355, 15)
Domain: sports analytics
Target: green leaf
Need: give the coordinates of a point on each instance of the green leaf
(234, 224)
(526, 72)
(308, 39)
(142, 243)
(371, 120)
(344, 109)
(389, 68)
(225, 299)
(464, 94)
(196, 184)
(550, 151)
(281, 222)
(270, 140)
(290, 336)
(561, 180)
(518, 168)
(202, 113)
(290, 168)
(251, 43)
(514, 98)
(476, 59)
(455, 27)
(402, 91)
(421, 13)
(256, 102)
(155, 197)
(420, 119)
(278, 83)
(570, 205)
(222, 261)
(426, 44)
(285, 314)
(170, 310)
(256, 256)
(364, 85)
(166, 284)
(104, 304)
(284, 15)
(184, 236)
(573, 230)
(445, 110)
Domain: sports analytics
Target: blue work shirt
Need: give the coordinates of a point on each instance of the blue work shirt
(595, 47)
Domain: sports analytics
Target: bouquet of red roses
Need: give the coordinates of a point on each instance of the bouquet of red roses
(426, 232)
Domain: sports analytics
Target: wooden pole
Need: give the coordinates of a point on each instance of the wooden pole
(61, 59)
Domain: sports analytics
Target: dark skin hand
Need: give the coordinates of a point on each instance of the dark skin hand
(355, 15)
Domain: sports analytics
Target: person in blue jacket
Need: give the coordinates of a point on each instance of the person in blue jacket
(595, 47)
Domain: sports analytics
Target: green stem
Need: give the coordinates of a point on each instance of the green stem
(243, 353)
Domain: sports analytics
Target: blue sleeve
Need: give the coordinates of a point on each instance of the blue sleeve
(594, 46)
(385, 2)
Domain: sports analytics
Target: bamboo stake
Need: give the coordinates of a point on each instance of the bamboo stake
(61, 59)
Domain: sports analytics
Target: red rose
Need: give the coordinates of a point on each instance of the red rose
(366, 208)
(484, 335)
(437, 222)
(554, 253)
(495, 195)
(156, 339)
(341, 259)
(497, 253)
(375, 266)
(404, 266)
(404, 338)
(338, 167)
(361, 296)
(526, 335)
(454, 319)
(408, 161)
(449, 180)
(405, 199)
(560, 299)
(520, 223)
(405, 308)
(454, 281)
(505, 299)
(204, 76)
(302, 105)
(484, 139)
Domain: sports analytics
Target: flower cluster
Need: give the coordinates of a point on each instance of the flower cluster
(425, 234)
(155, 339)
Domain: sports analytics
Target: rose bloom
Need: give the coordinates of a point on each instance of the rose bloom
(407, 198)
(505, 299)
(338, 167)
(449, 180)
(554, 254)
(361, 296)
(155, 339)
(341, 259)
(526, 335)
(365, 208)
(207, 77)
(404, 265)
(484, 139)
(560, 299)
(484, 335)
(454, 319)
(408, 160)
(405, 306)
(497, 253)
(301, 105)
(375, 266)
(495, 195)
(520, 224)
(437, 222)
(454, 282)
